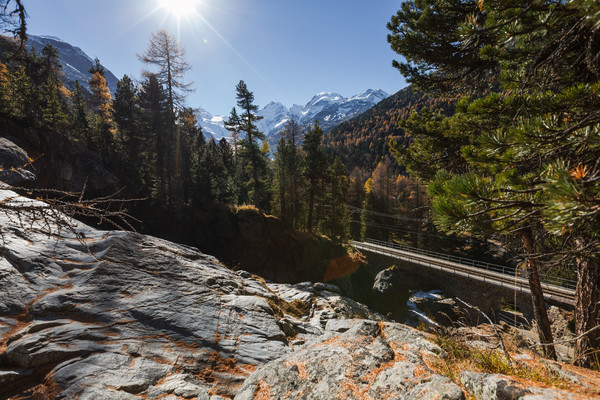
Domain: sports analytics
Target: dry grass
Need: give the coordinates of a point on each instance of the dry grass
(246, 207)
(460, 356)
(296, 308)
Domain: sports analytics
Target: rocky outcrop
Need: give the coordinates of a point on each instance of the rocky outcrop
(502, 387)
(354, 359)
(60, 162)
(15, 165)
(92, 314)
(113, 315)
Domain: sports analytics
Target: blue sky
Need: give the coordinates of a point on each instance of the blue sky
(284, 50)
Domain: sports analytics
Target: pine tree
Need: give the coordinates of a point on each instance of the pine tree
(254, 161)
(528, 161)
(315, 168)
(234, 125)
(293, 167)
(337, 223)
(54, 113)
(152, 120)
(79, 125)
(125, 110)
(25, 97)
(281, 182)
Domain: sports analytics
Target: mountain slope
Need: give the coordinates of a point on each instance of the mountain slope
(362, 142)
(329, 109)
(75, 62)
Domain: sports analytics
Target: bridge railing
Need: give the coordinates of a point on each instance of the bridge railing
(551, 280)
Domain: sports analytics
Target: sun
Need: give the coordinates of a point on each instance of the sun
(179, 8)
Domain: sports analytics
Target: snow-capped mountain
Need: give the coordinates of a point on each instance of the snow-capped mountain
(75, 62)
(212, 126)
(275, 115)
(329, 109)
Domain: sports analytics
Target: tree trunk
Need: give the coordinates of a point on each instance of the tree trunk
(537, 297)
(284, 216)
(587, 311)
(311, 204)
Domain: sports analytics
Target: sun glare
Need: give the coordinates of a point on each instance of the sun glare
(179, 8)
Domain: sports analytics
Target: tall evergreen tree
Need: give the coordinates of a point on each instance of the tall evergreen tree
(79, 125)
(125, 110)
(531, 153)
(255, 162)
(337, 223)
(281, 181)
(315, 169)
(234, 125)
(153, 120)
(293, 167)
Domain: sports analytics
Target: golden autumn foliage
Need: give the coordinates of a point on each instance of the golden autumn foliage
(362, 142)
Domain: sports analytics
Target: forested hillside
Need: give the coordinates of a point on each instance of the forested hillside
(363, 141)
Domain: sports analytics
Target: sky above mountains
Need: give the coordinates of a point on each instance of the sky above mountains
(284, 50)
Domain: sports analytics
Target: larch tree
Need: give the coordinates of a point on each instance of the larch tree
(101, 101)
(166, 54)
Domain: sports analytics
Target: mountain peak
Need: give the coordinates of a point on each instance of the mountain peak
(329, 108)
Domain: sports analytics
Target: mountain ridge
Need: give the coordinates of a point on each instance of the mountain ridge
(328, 108)
(74, 60)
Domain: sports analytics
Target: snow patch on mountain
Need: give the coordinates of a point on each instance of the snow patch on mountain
(328, 108)
(75, 62)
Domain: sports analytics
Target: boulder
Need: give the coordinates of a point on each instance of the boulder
(354, 359)
(390, 293)
(16, 169)
(501, 387)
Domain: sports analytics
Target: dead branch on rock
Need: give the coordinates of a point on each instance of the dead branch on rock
(52, 211)
(496, 333)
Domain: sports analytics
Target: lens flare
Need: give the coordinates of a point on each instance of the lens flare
(179, 8)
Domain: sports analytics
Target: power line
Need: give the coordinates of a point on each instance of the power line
(390, 228)
(380, 214)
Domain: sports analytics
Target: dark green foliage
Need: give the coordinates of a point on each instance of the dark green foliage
(78, 116)
(315, 168)
(153, 108)
(54, 113)
(430, 35)
(337, 222)
(125, 110)
(97, 67)
(253, 160)
(287, 183)
(523, 159)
